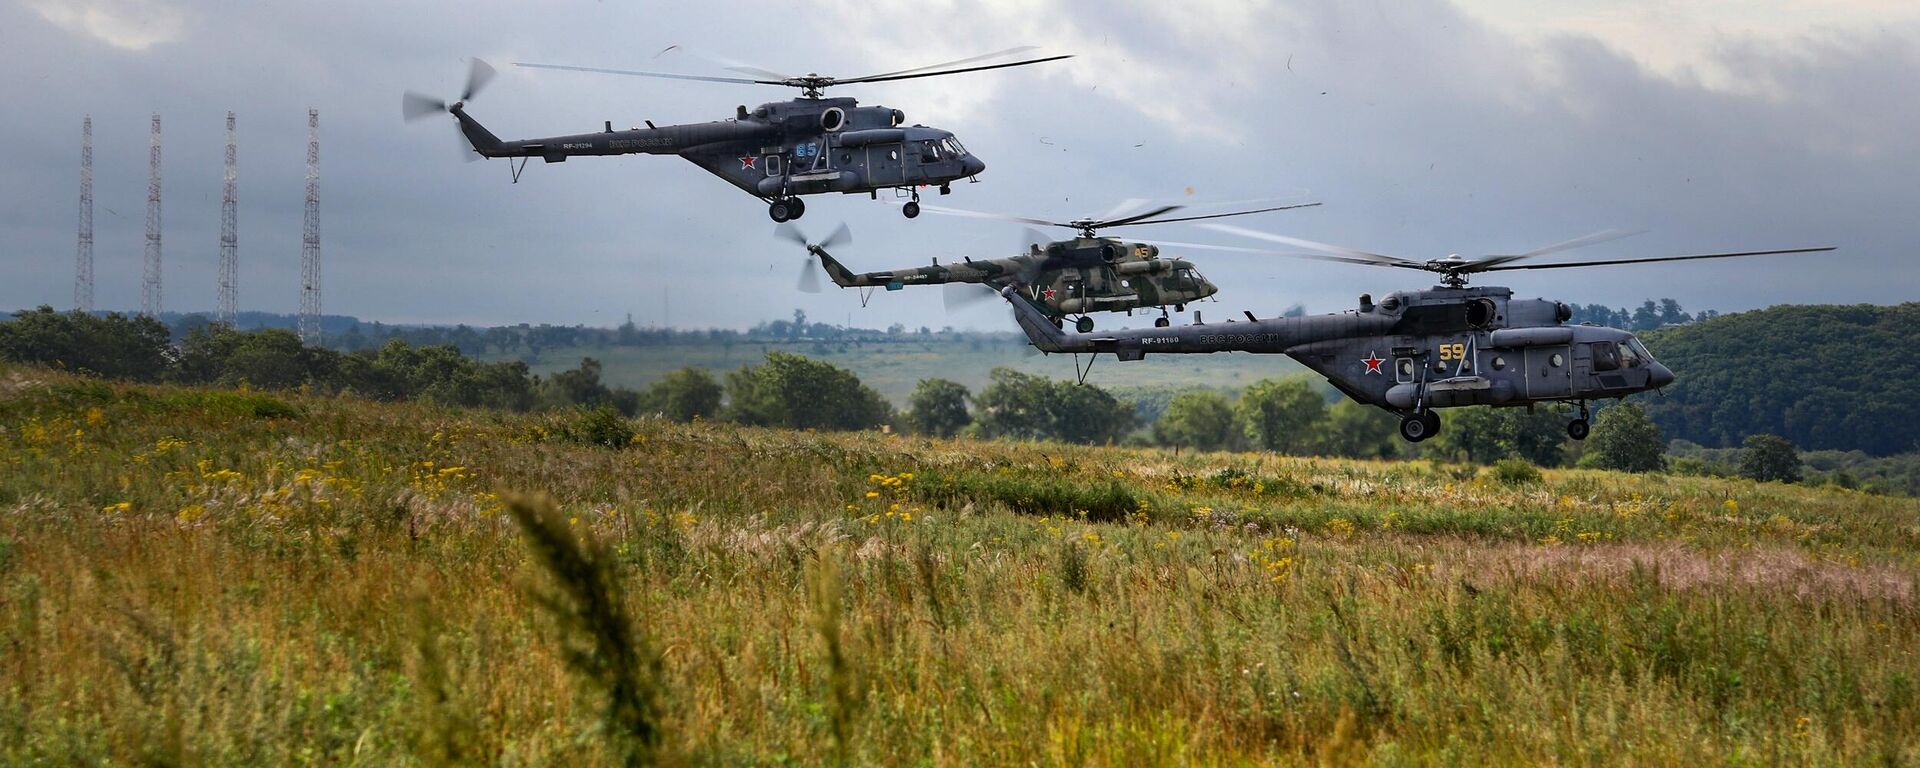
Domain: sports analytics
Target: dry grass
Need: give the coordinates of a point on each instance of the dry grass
(194, 576)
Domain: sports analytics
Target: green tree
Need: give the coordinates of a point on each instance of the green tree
(1360, 431)
(684, 395)
(1769, 458)
(797, 392)
(1483, 435)
(113, 345)
(1014, 404)
(1027, 407)
(1200, 419)
(1086, 414)
(1282, 415)
(938, 407)
(1625, 439)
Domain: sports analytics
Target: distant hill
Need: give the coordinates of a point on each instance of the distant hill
(1827, 377)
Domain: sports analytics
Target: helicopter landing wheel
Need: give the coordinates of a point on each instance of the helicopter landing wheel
(1433, 421)
(1578, 429)
(1161, 322)
(797, 206)
(911, 209)
(1414, 429)
(781, 210)
(1083, 325)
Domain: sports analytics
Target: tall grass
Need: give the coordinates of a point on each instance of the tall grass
(182, 581)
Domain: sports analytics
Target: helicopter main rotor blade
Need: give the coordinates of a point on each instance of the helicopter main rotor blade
(1268, 252)
(414, 106)
(723, 62)
(1210, 215)
(1164, 209)
(885, 78)
(1603, 262)
(945, 211)
(954, 63)
(478, 76)
(1125, 207)
(1376, 258)
(638, 73)
(1578, 242)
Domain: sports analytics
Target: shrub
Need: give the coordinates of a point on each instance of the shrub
(602, 426)
(1515, 471)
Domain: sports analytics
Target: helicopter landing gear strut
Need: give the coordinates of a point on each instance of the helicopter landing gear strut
(784, 209)
(1420, 426)
(1578, 428)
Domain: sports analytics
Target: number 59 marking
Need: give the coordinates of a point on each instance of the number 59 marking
(1453, 352)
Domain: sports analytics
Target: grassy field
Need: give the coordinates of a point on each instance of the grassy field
(894, 369)
(198, 576)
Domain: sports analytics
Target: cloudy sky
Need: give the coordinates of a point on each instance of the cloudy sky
(1427, 127)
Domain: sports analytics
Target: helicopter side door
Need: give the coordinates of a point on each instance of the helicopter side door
(1549, 372)
(886, 164)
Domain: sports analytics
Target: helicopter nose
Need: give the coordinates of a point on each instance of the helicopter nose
(1659, 376)
(972, 166)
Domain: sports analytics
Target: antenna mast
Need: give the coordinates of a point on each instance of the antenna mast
(310, 238)
(229, 242)
(83, 253)
(150, 288)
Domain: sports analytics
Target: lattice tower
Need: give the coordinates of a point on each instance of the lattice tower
(150, 288)
(310, 238)
(83, 252)
(228, 309)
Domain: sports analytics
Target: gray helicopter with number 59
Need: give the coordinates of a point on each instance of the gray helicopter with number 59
(776, 152)
(1415, 351)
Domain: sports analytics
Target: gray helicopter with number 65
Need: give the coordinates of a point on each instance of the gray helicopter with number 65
(1415, 351)
(777, 152)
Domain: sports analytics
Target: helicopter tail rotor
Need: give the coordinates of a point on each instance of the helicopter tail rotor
(415, 105)
(809, 279)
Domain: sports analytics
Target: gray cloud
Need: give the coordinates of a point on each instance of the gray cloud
(1424, 130)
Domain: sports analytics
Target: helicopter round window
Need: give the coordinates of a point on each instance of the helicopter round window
(1126, 284)
(833, 119)
(846, 157)
(1406, 368)
(1556, 360)
(1499, 363)
(893, 154)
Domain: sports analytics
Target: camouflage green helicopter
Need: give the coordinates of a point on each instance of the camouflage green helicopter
(1063, 278)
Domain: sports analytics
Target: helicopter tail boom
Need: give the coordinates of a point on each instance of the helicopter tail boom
(1040, 330)
(838, 273)
(483, 140)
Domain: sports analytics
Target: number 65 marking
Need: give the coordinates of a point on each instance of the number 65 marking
(1453, 352)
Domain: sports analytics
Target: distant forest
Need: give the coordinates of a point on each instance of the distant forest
(350, 334)
(1827, 377)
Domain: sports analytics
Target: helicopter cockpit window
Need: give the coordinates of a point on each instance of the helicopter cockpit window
(930, 151)
(953, 146)
(1632, 354)
(1606, 355)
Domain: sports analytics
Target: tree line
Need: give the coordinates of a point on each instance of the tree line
(1294, 416)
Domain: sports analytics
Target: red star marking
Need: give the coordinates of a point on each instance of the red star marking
(1047, 294)
(1373, 362)
(747, 162)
